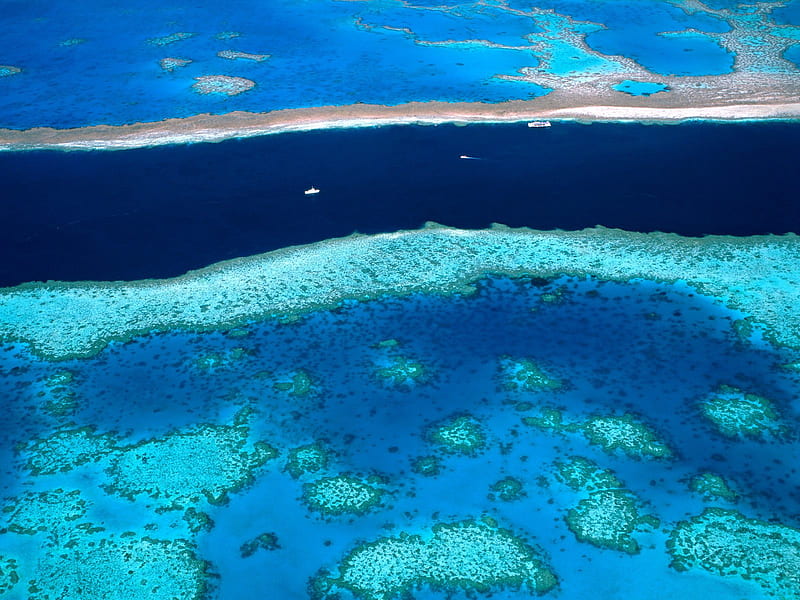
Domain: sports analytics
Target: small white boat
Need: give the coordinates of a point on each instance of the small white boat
(539, 124)
(311, 191)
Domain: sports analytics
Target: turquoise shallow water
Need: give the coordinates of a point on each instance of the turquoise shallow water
(640, 88)
(652, 351)
(98, 63)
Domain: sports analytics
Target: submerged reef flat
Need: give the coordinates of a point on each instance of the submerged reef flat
(222, 84)
(59, 395)
(508, 489)
(66, 450)
(342, 494)
(8, 70)
(713, 487)
(625, 433)
(727, 543)
(307, 460)
(166, 40)
(583, 474)
(427, 466)
(469, 556)
(401, 372)
(524, 375)
(121, 567)
(459, 435)
(608, 514)
(8, 574)
(68, 43)
(205, 462)
(264, 541)
(737, 414)
(35, 512)
(234, 54)
(66, 320)
(607, 519)
(170, 64)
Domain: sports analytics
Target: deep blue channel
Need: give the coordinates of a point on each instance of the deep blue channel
(159, 212)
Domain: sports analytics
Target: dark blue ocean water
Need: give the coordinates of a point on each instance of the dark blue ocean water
(160, 212)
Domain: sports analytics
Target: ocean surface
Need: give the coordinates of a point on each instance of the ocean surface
(160, 212)
(94, 62)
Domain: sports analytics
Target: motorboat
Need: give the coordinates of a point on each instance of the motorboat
(311, 191)
(539, 124)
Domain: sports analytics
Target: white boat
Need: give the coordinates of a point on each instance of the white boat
(311, 191)
(539, 124)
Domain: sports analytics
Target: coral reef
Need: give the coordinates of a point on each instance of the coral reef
(124, 567)
(33, 512)
(197, 521)
(524, 375)
(428, 466)
(434, 259)
(465, 556)
(307, 459)
(8, 70)
(233, 55)
(737, 414)
(203, 462)
(607, 519)
(608, 514)
(401, 372)
(264, 541)
(9, 577)
(458, 435)
(299, 384)
(712, 487)
(625, 433)
(727, 543)
(66, 449)
(59, 395)
(169, 64)
(582, 474)
(72, 42)
(341, 494)
(166, 40)
(222, 85)
(211, 361)
(507, 489)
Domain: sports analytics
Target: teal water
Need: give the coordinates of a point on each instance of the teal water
(653, 351)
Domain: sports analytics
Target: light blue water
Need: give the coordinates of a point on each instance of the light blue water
(649, 349)
(640, 88)
(633, 32)
(90, 63)
(793, 54)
